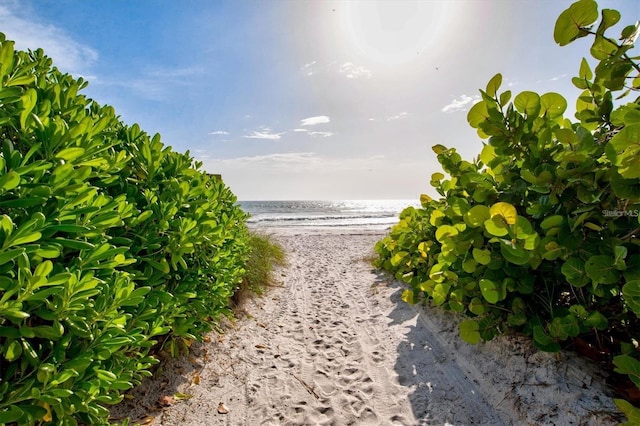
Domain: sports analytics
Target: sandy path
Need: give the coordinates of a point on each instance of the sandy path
(336, 346)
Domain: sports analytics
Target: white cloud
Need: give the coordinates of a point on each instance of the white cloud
(462, 103)
(321, 134)
(265, 134)
(312, 121)
(398, 116)
(351, 70)
(218, 132)
(300, 130)
(68, 55)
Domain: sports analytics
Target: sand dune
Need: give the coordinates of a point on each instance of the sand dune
(336, 346)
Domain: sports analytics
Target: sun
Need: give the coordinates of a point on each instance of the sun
(395, 32)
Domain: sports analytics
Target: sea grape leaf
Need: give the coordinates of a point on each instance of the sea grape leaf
(506, 210)
(478, 114)
(527, 103)
(440, 293)
(543, 342)
(515, 254)
(490, 291)
(477, 215)
(610, 17)
(585, 70)
(483, 257)
(631, 412)
(569, 25)
(552, 221)
(552, 105)
(496, 226)
(631, 293)
(446, 231)
(623, 150)
(597, 320)
(469, 266)
(573, 271)
(600, 269)
(628, 365)
(470, 331)
(494, 85)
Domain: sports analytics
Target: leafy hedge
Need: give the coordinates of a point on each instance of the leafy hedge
(540, 234)
(110, 242)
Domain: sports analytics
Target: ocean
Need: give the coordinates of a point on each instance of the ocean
(369, 214)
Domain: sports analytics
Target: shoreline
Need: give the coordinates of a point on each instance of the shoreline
(336, 345)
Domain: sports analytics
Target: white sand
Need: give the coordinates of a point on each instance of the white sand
(335, 345)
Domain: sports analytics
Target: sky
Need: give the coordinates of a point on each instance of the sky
(306, 100)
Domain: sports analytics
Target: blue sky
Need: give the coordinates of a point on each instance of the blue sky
(306, 99)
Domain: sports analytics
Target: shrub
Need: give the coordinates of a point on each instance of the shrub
(109, 241)
(540, 234)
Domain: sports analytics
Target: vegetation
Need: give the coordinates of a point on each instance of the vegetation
(111, 246)
(264, 255)
(540, 234)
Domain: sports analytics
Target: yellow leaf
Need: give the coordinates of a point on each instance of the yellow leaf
(506, 210)
(47, 417)
(424, 199)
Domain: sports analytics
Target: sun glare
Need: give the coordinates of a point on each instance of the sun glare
(395, 32)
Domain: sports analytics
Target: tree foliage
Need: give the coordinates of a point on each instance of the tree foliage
(110, 243)
(540, 233)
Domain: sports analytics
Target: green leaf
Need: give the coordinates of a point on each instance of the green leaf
(407, 297)
(9, 181)
(440, 293)
(552, 105)
(446, 231)
(569, 25)
(483, 257)
(9, 255)
(478, 114)
(10, 414)
(70, 154)
(527, 103)
(631, 293)
(490, 291)
(597, 320)
(600, 269)
(477, 215)
(552, 222)
(28, 102)
(470, 331)
(13, 351)
(515, 254)
(626, 364)
(623, 150)
(632, 413)
(610, 17)
(585, 71)
(573, 270)
(496, 226)
(494, 85)
(543, 342)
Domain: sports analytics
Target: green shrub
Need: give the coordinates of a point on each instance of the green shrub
(108, 241)
(540, 234)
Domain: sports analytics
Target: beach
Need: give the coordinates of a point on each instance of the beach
(333, 344)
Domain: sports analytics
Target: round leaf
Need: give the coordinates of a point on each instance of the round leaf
(489, 290)
(570, 22)
(527, 103)
(552, 105)
(477, 215)
(506, 210)
(470, 331)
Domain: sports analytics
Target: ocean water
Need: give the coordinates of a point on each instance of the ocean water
(369, 214)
